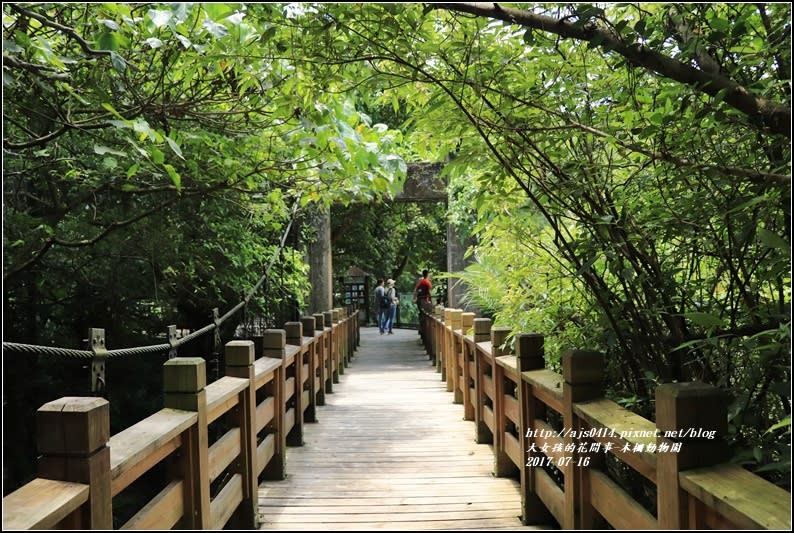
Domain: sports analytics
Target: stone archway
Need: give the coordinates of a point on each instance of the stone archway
(423, 184)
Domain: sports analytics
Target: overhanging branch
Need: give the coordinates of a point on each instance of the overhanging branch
(774, 116)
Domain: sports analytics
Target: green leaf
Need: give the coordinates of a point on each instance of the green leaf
(157, 156)
(133, 170)
(749, 203)
(112, 110)
(720, 96)
(704, 319)
(159, 18)
(175, 177)
(118, 62)
(786, 422)
(174, 146)
(185, 41)
(109, 163)
(110, 24)
(107, 40)
(216, 30)
(772, 240)
(218, 11)
(102, 150)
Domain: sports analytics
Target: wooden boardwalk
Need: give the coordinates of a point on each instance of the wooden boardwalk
(390, 451)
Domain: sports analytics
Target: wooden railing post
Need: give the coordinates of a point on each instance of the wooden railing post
(294, 337)
(530, 356)
(582, 373)
(482, 333)
(503, 466)
(325, 342)
(453, 377)
(333, 346)
(72, 435)
(240, 356)
(685, 412)
(339, 337)
(184, 382)
(318, 371)
(438, 339)
(467, 323)
(274, 345)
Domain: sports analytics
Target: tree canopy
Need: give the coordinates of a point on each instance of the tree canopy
(624, 168)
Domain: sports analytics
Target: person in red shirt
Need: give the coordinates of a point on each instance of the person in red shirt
(422, 294)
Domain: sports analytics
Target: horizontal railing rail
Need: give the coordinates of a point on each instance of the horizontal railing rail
(556, 433)
(214, 442)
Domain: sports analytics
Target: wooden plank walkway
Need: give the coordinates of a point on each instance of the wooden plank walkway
(390, 451)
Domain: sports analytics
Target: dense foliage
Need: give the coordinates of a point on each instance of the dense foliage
(625, 169)
(153, 156)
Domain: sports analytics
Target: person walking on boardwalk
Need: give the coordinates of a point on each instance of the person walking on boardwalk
(380, 309)
(391, 296)
(422, 295)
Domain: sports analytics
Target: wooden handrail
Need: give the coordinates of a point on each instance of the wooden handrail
(499, 390)
(251, 449)
(42, 504)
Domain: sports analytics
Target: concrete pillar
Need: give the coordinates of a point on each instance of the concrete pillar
(456, 249)
(320, 266)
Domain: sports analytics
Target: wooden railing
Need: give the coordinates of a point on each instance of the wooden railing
(557, 432)
(272, 385)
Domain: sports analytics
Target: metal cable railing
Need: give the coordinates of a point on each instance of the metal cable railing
(97, 342)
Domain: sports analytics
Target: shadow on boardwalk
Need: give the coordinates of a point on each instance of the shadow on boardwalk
(390, 451)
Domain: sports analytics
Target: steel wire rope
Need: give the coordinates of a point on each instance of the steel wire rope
(158, 348)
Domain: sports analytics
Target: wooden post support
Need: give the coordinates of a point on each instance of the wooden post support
(467, 321)
(453, 376)
(686, 415)
(72, 435)
(294, 337)
(445, 349)
(318, 371)
(325, 341)
(240, 356)
(339, 338)
(184, 383)
(482, 333)
(503, 466)
(333, 346)
(529, 356)
(582, 373)
(275, 342)
(467, 325)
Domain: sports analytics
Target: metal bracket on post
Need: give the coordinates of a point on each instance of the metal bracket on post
(96, 342)
(172, 353)
(216, 349)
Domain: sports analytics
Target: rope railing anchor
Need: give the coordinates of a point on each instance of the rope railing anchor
(96, 340)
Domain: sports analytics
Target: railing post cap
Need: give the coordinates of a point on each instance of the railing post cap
(293, 329)
(691, 406)
(239, 353)
(582, 366)
(501, 330)
(319, 321)
(309, 325)
(274, 338)
(184, 374)
(482, 325)
(73, 425)
(529, 349)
